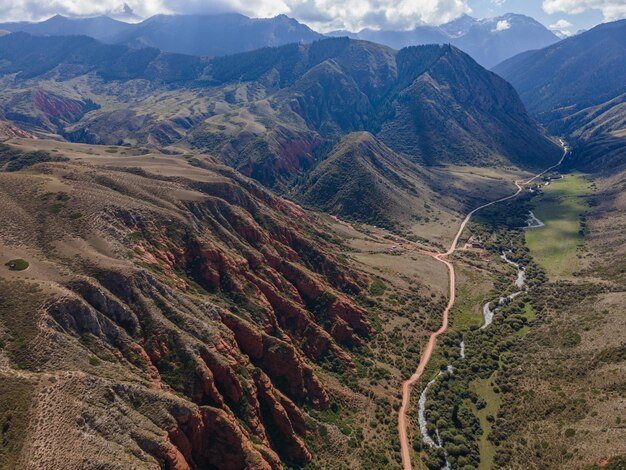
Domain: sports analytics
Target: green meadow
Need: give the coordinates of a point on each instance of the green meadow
(560, 208)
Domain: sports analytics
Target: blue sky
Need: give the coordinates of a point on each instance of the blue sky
(326, 15)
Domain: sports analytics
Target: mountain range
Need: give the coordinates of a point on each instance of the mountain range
(206, 35)
(276, 113)
(488, 41)
(577, 88)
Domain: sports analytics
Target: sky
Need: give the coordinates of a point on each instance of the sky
(568, 16)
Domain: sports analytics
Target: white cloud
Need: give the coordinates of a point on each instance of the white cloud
(611, 9)
(502, 25)
(323, 14)
(561, 28)
(561, 24)
(357, 14)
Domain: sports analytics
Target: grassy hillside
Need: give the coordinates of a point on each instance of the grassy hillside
(364, 180)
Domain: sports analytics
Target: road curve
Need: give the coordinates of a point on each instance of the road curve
(432, 340)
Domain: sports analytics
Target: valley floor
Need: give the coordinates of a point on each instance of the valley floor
(554, 397)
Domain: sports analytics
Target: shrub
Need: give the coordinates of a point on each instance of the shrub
(378, 287)
(94, 361)
(17, 264)
(570, 339)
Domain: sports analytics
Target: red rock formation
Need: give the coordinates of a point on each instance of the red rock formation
(172, 454)
(208, 389)
(279, 359)
(226, 378)
(279, 422)
(251, 376)
(9, 131)
(212, 437)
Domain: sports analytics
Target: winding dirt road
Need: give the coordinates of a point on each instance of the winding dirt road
(432, 340)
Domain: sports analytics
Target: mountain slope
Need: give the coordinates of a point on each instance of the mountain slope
(204, 35)
(364, 180)
(432, 103)
(577, 88)
(455, 111)
(578, 72)
(489, 41)
(173, 313)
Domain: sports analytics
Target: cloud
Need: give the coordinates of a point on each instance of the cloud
(358, 14)
(611, 9)
(502, 25)
(561, 24)
(323, 14)
(35, 10)
(561, 28)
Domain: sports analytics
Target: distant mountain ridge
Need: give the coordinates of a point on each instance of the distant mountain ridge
(102, 28)
(204, 35)
(489, 41)
(577, 88)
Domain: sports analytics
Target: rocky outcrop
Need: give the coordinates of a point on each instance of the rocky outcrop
(280, 360)
(281, 424)
(224, 304)
(210, 438)
(9, 131)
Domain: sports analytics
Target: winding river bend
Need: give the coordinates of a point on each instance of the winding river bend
(425, 358)
(533, 221)
(519, 283)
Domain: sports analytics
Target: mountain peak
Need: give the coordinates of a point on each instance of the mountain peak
(488, 41)
(57, 17)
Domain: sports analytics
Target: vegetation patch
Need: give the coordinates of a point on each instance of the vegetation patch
(12, 159)
(94, 361)
(15, 398)
(487, 406)
(378, 287)
(17, 264)
(20, 302)
(570, 339)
